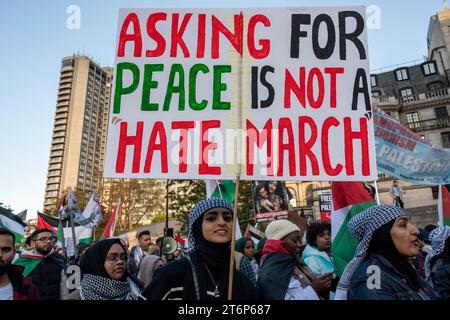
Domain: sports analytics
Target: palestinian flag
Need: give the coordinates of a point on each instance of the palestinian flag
(349, 199)
(224, 189)
(13, 223)
(109, 229)
(29, 261)
(82, 234)
(444, 205)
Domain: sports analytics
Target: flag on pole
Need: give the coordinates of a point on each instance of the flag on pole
(23, 215)
(109, 229)
(13, 223)
(444, 205)
(224, 189)
(92, 214)
(349, 199)
(82, 234)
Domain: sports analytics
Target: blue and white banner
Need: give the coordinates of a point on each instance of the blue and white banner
(403, 154)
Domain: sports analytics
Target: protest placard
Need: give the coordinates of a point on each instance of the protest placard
(259, 93)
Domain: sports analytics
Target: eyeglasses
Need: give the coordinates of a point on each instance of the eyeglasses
(115, 258)
(44, 239)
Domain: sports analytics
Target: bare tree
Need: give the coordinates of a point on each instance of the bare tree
(141, 200)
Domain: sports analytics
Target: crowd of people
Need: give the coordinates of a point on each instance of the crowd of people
(411, 264)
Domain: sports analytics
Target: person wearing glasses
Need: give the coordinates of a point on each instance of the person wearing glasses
(44, 266)
(105, 275)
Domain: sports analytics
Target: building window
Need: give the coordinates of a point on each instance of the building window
(376, 93)
(435, 191)
(441, 112)
(67, 63)
(445, 139)
(433, 86)
(429, 68)
(412, 118)
(406, 92)
(401, 74)
(373, 81)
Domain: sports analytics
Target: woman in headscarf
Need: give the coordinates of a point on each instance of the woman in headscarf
(202, 273)
(105, 274)
(246, 246)
(281, 275)
(148, 267)
(437, 263)
(381, 268)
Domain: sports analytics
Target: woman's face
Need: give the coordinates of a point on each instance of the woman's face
(263, 193)
(293, 243)
(249, 249)
(323, 241)
(115, 261)
(272, 186)
(404, 235)
(217, 225)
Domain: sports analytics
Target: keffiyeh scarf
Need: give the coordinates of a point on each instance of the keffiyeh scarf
(198, 211)
(100, 288)
(437, 238)
(362, 227)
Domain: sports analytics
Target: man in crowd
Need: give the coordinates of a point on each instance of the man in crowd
(44, 267)
(13, 286)
(139, 251)
(396, 192)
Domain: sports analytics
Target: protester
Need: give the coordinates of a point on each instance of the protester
(139, 251)
(281, 276)
(259, 250)
(13, 286)
(396, 192)
(81, 250)
(44, 267)
(202, 273)
(147, 269)
(105, 276)
(246, 246)
(386, 240)
(317, 254)
(437, 263)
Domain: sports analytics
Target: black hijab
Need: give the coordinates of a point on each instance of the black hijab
(216, 255)
(93, 261)
(383, 244)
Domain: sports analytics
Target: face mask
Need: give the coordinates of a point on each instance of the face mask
(427, 248)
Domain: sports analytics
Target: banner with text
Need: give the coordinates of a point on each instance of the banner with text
(403, 154)
(258, 92)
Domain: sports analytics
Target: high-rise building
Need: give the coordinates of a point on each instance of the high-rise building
(80, 128)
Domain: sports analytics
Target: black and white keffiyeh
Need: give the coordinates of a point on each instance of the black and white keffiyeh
(100, 288)
(362, 227)
(437, 238)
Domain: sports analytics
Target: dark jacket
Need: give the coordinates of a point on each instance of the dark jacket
(175, 281)
(47, 276)
(391, 285)
(440, 277)
(23, 289)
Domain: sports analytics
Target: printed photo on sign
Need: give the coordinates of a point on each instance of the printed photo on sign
(270, 199)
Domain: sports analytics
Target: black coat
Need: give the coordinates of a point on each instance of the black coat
(175, 281)
(47, 277)
(440, 277)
